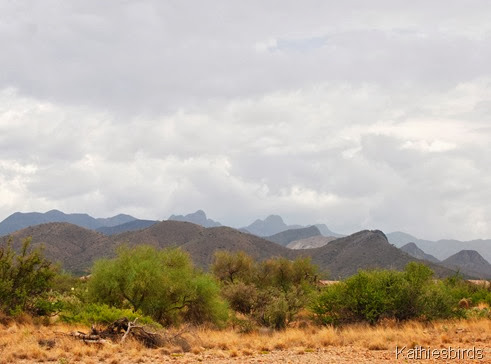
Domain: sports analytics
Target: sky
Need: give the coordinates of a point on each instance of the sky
(356, 114)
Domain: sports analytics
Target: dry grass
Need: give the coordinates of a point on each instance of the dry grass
(381, 337)
(19, 343)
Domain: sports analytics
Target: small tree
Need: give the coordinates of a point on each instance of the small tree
(162, 284)
(24, 277)
(232, 267)
(271, 292)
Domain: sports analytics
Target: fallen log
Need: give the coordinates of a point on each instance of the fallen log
(118, 331)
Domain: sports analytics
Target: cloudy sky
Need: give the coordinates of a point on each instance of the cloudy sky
(356, 114)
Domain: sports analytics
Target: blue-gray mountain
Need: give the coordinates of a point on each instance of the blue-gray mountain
(413, 250)
(274, 224)
(199, 218)
(21, 220)
(442, 249)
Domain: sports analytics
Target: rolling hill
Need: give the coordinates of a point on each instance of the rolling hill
(363, 250)
(310, 243)
(77, 248)
(287, 236)
(74, 247)
(413, 250)
(469, 262)
(129, 226)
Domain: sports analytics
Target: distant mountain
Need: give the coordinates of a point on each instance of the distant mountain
(364, 250)
(311, 243)
(129, 226)
(413, 250)
(274, 224)
(327, 232)
(271, 225)
(442, 249)
(20, 220)
(287, 236)
(469, 262)
(77, 248)
(198, 218)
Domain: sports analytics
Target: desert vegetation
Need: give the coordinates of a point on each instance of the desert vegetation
(241, 307)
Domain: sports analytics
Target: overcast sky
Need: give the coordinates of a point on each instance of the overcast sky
(357, 114)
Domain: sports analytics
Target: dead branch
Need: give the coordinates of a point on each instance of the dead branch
(119, 331)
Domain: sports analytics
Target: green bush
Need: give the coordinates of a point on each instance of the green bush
(90, 314)
(271, 292)
(370, 296)
(25, 278)
(241, 296)
(162, 284)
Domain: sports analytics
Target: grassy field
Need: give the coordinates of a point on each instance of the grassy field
(30, 343)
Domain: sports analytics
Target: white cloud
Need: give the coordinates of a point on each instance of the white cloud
(351, 114)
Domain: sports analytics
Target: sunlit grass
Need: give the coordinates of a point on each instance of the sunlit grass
(21, 342)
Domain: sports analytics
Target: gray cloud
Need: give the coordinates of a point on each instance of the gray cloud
(358, 115)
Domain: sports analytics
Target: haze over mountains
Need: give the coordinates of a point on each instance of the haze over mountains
(20, 220)
(76, 240)
(199, 217)
(442, 249)
(274, 224)
(413, 250)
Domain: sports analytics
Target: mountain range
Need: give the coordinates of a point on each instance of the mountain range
(76, 240)
(76, 248)
(274, 224)
(199, 217)
(442, 249)
(20, 220)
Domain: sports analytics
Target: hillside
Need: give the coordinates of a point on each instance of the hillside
(20, 220)
(310, 243)
(469, 262)
(129, 226)
(71, 245)
(413, 250)
(363, 250)
(287, 236)
(327, 232)
(77, 248)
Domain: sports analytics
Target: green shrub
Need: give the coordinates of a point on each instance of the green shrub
(25, 277)
(439, 302)
(329, 306)
(90, 314)
(162, 284)
(241, 296)
(370, 296)
(271, 292)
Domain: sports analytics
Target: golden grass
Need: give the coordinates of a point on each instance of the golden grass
(381, 337)
(20, 342)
